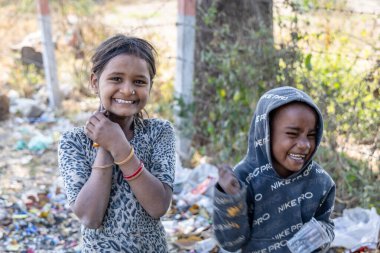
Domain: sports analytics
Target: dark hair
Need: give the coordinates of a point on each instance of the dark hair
(121, 44)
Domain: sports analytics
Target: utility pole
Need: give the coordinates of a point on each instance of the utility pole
(48, 53)
(184, 77)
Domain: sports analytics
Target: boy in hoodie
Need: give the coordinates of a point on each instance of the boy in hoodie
(277, 199)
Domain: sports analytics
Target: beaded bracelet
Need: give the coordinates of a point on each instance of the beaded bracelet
(102, 166)
(129, 157)
(135, 174)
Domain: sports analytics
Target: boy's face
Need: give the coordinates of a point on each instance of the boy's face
(293, 137)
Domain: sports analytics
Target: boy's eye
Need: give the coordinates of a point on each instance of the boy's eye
(116, 79)
(291, 133)
(312, 135)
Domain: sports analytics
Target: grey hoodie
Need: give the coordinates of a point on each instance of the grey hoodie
(270, 209)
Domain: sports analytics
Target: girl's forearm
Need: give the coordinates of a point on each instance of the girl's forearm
(92, 201)
(153, 195)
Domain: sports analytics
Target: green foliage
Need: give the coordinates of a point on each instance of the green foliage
(355, 182)
(346, 98)
(229, 93)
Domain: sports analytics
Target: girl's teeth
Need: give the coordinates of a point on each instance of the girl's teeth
(121, 101)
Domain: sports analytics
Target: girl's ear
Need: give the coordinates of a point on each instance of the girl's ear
(94, 83)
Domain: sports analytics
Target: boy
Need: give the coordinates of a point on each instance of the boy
(277, 199)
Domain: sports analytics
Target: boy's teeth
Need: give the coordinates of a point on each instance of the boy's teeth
(122, 101)
(297, 156)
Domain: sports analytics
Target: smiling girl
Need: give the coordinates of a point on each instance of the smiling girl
(118, 169)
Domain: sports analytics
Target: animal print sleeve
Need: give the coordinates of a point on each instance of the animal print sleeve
(73, 163)
(163, 154)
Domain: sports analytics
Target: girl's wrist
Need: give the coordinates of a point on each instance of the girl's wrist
(120, 151)
(103, 157)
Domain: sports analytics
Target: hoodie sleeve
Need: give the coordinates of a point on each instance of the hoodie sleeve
(230, 219)
(323, 217)
(317, 234)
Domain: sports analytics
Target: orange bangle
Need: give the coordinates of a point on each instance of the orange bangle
(129, 157)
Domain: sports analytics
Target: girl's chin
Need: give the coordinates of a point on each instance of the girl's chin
(119, 115)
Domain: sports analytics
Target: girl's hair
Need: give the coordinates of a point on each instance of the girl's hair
(121, 44)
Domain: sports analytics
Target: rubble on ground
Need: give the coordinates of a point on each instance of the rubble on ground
(34, 215)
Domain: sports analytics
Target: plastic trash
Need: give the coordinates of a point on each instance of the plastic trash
(355, 227)
(309, 238)
(365, 247)
(20, 145)
(39, 143)
(205, 246)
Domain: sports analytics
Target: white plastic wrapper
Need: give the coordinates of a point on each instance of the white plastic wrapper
(355, 227)
(310, 237)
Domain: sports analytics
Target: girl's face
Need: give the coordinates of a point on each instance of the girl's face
(124, 85)
(293, 137)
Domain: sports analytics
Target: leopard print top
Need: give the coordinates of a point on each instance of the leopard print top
(126, 227)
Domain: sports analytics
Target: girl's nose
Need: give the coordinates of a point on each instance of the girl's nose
(127, 90)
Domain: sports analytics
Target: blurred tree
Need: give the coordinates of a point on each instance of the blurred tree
(234, 62)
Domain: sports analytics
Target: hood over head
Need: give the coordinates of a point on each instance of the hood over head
(259, 150)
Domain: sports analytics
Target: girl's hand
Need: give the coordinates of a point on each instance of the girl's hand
(227, 180)
(103, 131)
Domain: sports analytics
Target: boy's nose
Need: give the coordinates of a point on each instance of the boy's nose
(304, 144)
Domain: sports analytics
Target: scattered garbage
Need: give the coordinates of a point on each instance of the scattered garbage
(188, 222)
(27, 107)
(39, 143)
(34, 215)
(38, 222)
(364, 247)
(356, 227)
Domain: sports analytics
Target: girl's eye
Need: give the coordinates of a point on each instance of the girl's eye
(140, 82)
(312, 135)
(291, 134)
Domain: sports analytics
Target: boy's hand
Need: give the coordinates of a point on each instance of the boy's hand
(310, 237)
(227, 180)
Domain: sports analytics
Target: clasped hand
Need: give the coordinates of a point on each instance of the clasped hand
(103, 131)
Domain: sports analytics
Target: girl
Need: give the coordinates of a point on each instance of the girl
(118, 169)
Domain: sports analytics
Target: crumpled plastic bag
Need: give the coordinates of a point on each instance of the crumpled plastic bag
(356, 226)
(309, 238)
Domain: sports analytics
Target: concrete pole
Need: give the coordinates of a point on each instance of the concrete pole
(48, 54)
(184, 76)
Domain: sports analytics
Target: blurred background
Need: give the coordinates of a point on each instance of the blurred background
(215, 59)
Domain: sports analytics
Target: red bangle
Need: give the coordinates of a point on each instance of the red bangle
(136, 173)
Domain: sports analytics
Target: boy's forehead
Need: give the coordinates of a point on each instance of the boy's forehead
(295, 108)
